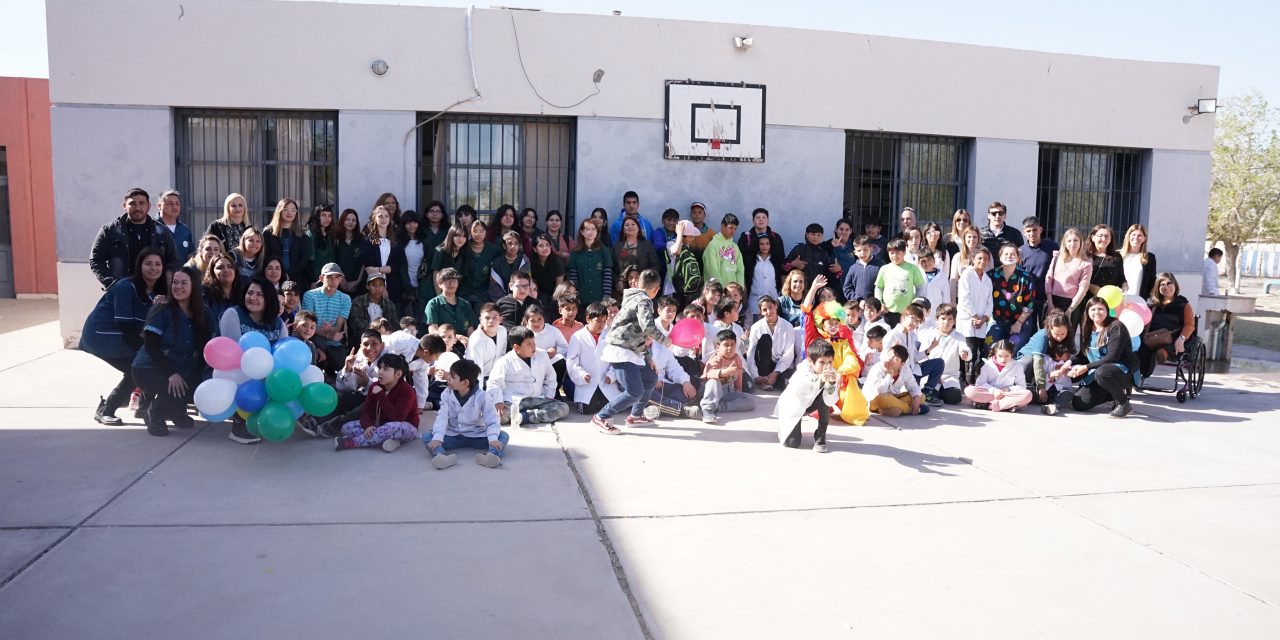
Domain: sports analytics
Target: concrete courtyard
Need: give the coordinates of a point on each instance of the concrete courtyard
(958, 524)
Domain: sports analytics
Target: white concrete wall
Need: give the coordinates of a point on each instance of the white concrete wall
(801, 181)
(1175, 210)
(373, 158)
(1004, 171)
(257, 53)
(99, 153)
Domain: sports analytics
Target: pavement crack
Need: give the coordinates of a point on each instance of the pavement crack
(603, 534)
(17, 572)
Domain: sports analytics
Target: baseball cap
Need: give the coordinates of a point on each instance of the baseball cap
(331, 268)
(698, 204)
(378, 276)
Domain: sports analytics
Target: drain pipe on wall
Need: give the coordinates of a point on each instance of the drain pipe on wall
(475, 87)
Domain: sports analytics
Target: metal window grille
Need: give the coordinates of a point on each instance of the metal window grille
(885, 172)
(265, 155)
(487, 161)
(1081, 187)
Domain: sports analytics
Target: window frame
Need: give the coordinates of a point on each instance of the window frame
(893, 180)
(1122, 190)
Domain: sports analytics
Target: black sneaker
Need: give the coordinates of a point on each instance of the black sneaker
(982, 405)
(931, 398)
(102, 417)
(155, 426)
(184, 421)
(1122, 409)
(792, 442)
(240, 432)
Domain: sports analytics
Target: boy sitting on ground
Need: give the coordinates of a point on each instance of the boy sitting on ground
(943, 343)
(466, 420)
(390, 412)
(892, 388)
(722, 391)
(522, 385)
(771, 348)
(930, 371)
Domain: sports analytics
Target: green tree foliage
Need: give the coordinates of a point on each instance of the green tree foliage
(1244, 203)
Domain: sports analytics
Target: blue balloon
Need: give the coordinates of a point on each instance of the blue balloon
(254, 339)
(1137, 341)
(251, 395)
(283, 341)
(293, 355)
(220, 417)
(295, 408)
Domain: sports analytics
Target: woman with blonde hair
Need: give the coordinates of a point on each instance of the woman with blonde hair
(285, 239)
(229, 228)
(1139, 264)
(1067, 283)
(389, 202)
(209, 247)
(249, 254)
(970, 240)
(960, 220)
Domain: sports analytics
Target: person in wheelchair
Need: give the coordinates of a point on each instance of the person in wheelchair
(1172, 324)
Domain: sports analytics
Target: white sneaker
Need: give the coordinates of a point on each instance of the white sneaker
(513, 410)
(390, 444)
(444, 460)
(820, 447)
(691, 411)
(488, 459)
(708, 417)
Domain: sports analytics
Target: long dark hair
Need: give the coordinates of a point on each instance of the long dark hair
(270, 299)
(340, 229)
(1057, 318)
(215, 288)
(162, 284)
(199, 313)
(402, 234)
(319, 233)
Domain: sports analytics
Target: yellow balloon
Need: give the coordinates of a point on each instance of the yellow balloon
(242, 413)
(1112, 294)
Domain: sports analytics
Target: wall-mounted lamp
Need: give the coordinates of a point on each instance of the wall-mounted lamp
(380, 67)
(742, 43)
(1203, 105)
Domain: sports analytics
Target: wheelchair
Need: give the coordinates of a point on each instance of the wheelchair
(1189, 369)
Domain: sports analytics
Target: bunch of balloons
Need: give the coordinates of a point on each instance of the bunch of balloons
(270, 387)
(1131, 311)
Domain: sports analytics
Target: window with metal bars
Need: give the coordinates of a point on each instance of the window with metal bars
(885, 172)
(1082, 187)
(265, 155)
(487, 161)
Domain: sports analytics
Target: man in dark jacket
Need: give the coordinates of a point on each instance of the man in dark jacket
(997, 232)
(119, 242)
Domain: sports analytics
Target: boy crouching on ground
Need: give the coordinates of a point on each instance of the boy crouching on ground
(466, 420)
(814, 387)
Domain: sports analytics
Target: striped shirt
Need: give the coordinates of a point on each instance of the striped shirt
(327, 308)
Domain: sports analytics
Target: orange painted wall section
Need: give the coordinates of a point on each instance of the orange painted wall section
(25, 134)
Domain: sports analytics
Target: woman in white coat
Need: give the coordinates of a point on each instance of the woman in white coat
(973, 308)
(814, 387)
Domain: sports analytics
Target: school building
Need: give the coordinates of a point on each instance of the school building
(337, 103)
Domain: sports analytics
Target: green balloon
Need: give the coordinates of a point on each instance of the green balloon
(283, 385)
(275, 422)
(251, 423)
(318, 399)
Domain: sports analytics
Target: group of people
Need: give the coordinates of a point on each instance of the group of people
(522, 323)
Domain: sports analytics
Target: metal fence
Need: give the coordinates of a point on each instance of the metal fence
(487, 161)
(265, 155)
(1081, 187)
(885, 172)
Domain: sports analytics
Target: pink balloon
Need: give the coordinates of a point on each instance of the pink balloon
(687, 333)
(1142, 310)
(222, 353)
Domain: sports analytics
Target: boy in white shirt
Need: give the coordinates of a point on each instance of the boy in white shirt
(942, 342)
(522, 386)
(937, 286)
(591, 376)
(551, 341)
(892, 388)
(489, 342)
(467, 420)
(770, 348)
(905, 335)
(726, 318)
(677, 394)
(815, 387)
(871, 350)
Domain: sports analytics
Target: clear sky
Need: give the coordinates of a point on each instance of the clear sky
(1237, 35)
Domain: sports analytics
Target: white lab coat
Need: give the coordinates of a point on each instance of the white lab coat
(880, 382)
(937, 291)
(550, 337)
(801, 390)
(974, 299)
(949, 349)
(482, 350)
(709, 339)
(512, 377)
(991, 378)
(784, 345)
(584, 358)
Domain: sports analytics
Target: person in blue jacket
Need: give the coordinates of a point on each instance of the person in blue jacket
(171, 362)
(113, 330)
(630, 209)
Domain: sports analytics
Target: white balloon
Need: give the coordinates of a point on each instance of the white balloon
(214, 396)
(311, 374)
(235, 375)
(257, 363)
(1131, 321)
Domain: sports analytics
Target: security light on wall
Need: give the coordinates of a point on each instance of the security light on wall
(1202, 105)
(742, 43)
(380, 67)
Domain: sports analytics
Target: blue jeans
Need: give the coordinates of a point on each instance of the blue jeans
(465, 442)
(637, 382)
(931, 373)
(1002, 331)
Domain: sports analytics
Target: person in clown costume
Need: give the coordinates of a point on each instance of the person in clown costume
(825, 321)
